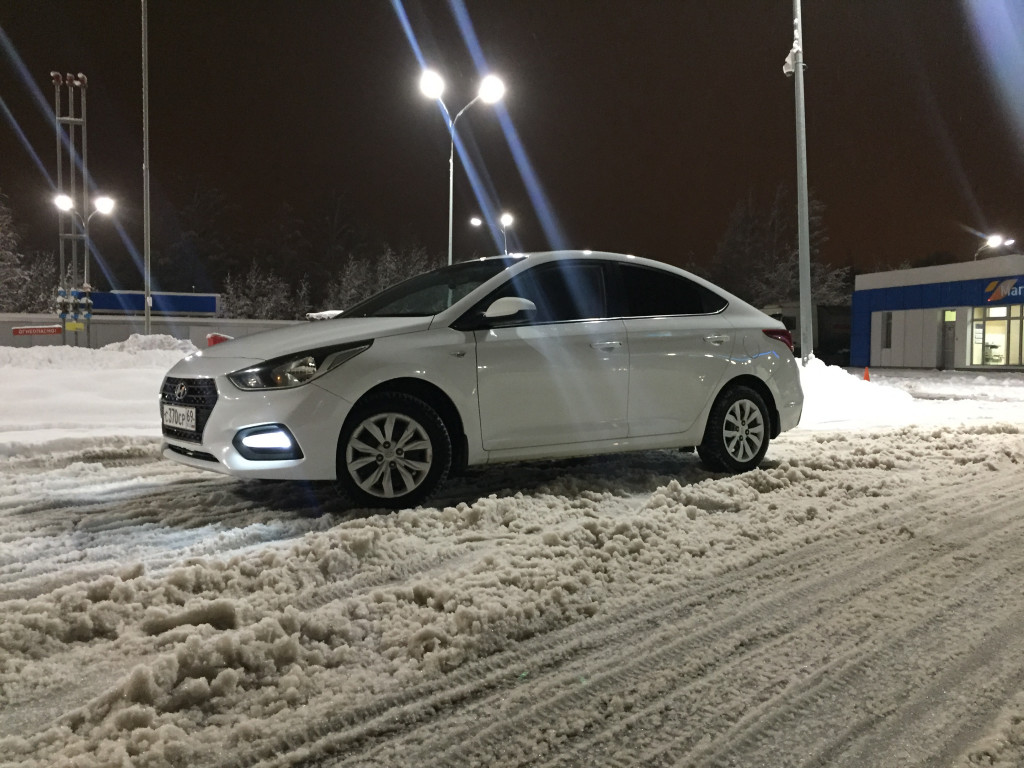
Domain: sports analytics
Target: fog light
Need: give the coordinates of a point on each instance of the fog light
(267, 442)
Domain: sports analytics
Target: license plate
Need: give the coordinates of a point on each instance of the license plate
(179, 416)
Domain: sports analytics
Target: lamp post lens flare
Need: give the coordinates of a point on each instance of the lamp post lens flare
(431, 84)
(492, 89)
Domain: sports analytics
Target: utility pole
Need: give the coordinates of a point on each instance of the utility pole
(795, 66)
(148, 281)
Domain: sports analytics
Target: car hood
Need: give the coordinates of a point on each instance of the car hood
(311, 335)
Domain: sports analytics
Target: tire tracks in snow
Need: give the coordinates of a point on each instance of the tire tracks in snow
(678, 652)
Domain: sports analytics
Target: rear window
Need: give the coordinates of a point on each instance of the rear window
(654, 292)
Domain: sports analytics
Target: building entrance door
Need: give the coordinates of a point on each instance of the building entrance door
(948, 344)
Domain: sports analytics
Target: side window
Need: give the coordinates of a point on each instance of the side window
(561, 291)
(652, 292)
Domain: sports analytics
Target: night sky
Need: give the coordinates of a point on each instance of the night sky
(629, 125)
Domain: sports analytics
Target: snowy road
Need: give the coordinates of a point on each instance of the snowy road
(843, 606)
(856, 602)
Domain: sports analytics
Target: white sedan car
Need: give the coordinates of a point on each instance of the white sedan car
(501, 359)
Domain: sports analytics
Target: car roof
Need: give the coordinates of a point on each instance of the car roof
(536, 257)
(539, 257)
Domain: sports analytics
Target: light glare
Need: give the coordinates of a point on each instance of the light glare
(104, 205)
(506, 219)
(994, 241)
(492, 89)
(431, 84)
(63, 202)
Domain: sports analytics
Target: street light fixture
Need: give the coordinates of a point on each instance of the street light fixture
(491, 90)
(505, 221)
(994, 241)
(104, 205)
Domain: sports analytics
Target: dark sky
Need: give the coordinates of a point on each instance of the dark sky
(644, 122)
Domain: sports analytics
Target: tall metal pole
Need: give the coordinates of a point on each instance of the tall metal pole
(145, 171)
(72, 121)
(451, 191)
(83, 210)
(803, 222)
(61, 277)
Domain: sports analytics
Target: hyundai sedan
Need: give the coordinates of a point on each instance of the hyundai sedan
(509, 358)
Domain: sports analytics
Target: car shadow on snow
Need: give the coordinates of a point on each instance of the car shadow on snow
(616, 474)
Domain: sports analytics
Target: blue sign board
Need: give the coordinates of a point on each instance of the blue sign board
(134, 303)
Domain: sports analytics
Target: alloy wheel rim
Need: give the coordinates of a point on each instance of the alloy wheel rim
(389, 455)
(743, 430)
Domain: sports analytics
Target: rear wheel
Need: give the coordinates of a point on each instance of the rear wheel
(737, 434)
(394, 451)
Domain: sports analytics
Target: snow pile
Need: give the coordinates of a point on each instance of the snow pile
(833, 397)
(54, 393)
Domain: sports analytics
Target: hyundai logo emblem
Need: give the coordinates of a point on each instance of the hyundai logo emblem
(181, 391)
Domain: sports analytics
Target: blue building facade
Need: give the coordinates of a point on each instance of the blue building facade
(968, 315)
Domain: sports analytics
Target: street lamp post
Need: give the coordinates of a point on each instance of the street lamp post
(505, 221)
(104, 206)
(492, 89)
(994, 241)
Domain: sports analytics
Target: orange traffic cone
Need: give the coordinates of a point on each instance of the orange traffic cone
(867, 376)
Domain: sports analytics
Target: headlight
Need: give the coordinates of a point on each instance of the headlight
(295, 370)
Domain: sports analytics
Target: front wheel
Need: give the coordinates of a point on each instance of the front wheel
(736, 437)
(393, 452)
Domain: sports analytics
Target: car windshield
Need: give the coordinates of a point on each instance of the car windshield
(431, 292)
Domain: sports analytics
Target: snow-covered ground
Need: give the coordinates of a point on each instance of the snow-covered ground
(855, 602)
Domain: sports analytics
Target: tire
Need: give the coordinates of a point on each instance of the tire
(736, 437)
(393, 452)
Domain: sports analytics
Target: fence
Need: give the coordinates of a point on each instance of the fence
(33, 330)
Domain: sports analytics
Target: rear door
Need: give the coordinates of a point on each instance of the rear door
(680, 346)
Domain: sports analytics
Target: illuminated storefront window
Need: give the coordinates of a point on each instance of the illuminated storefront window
(996, 334)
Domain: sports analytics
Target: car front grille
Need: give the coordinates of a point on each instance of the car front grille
(199, 393)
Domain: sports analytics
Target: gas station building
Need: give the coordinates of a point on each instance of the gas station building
(968, 315)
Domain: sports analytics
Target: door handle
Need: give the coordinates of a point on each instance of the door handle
(717, 339)
(606, 346)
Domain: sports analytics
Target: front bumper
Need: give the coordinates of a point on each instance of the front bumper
(312, 415)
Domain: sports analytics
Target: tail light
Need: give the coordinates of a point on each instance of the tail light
(780, 334)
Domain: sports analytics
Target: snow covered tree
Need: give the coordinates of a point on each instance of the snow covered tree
(203, 252)
(259, 294)
(36, 287)
(758, 257)
(361, 276)
(10, 270)
(302, 302)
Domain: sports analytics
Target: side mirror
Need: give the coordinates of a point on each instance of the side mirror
(501, 309)
(508, 306)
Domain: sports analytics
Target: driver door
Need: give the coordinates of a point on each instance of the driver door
(557, 375)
